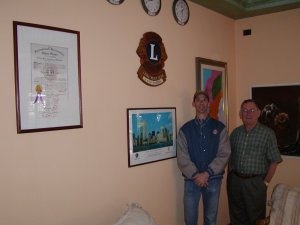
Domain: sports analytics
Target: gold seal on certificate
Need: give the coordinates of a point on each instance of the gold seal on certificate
(38, 90)
(152, 55)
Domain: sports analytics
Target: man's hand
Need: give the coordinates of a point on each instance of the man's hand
(201, 179)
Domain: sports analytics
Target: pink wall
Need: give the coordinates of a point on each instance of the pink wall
(270, 56)
(81, 176)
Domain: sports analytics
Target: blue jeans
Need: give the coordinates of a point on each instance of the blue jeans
(210, 198)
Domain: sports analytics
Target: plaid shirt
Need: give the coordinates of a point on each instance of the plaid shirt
(252, 152)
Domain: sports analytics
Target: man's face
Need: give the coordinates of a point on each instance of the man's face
(249, 114)
(201, 104)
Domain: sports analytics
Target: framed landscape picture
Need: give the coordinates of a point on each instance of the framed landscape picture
(151, 135)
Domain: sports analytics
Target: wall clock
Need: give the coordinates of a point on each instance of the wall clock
(181, 11)
(151, 7)
(116, 2)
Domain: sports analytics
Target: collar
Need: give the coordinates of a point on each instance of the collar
(253, 128)
(200, 121)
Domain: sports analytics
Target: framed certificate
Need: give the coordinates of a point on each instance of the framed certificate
(151, 135)
(47, 78)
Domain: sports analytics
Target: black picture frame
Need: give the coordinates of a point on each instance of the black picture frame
(280, 110)
(151, 135)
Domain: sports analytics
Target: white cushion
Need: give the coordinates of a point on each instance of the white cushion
(285, 203)
(135, 215)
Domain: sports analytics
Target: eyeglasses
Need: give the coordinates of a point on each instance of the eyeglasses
(245, 111)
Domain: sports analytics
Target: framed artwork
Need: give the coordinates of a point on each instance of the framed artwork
(47, 78)
(151, 135)
(280, 110)
(211, 76)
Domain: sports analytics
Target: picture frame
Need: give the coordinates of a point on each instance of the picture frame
(211, 77)
(151, 135)
(280, 110)
(47, 78)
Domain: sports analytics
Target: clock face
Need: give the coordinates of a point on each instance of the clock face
(181, 11)
(115, 2)
(151, 7)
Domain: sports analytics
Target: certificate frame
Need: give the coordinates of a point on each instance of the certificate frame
(151, 135)
(47, 78)
(211, 77)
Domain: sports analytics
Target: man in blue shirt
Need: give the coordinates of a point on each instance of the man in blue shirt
(203, 150)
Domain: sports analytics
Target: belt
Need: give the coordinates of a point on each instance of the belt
(246, 176)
